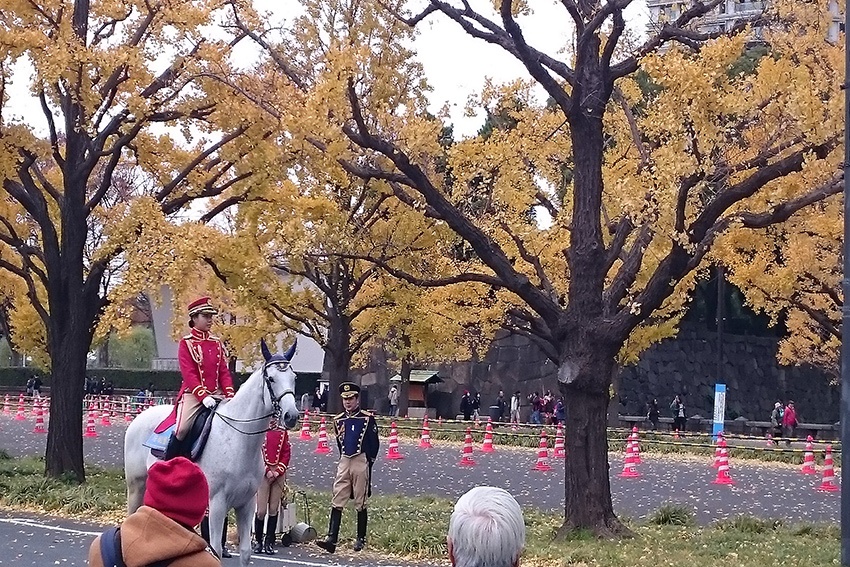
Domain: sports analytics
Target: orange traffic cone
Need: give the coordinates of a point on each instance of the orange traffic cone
(104, 416)
(635, 446)
(487, 445)
(39, 420)
(559, 452)
(717, 450)
(466, 457)
(6, 409)
(305, 427)
(322, 446)
(723, 467)
(128, 417)
(90, 430)
(809, 458)
(629, 464)
(542, 454)
(425, 440)
(21, 415)
(769, 440)
(393, 453)
(828, 484)
(676, 435)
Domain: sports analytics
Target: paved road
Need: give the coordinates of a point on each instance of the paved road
(765, 489)
(37, 541)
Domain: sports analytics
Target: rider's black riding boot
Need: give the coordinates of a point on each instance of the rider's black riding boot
(271, 527)
(329, 543)
(205, 529)
(362, 518)
(173, 449)
(258, 535)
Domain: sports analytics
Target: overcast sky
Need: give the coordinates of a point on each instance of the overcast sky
(456, 65)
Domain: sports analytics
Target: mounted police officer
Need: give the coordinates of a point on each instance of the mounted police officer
(357, 440)
(206, 378)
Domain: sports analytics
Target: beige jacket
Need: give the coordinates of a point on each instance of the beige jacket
(148, 536)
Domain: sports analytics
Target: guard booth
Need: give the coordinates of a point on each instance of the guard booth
(418, 391)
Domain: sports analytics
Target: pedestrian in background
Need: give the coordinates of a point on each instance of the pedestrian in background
(677, 408)
(652, 413)
(789, 422)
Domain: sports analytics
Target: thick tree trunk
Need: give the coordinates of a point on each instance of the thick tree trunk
(64, 454)
(585, 380)
(404, 387)
(338, 361)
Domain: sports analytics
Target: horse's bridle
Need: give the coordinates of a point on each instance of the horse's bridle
(269, 381)
(276, 410)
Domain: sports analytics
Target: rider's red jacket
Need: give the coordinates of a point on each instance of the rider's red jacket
(277, 450)
(203, 364)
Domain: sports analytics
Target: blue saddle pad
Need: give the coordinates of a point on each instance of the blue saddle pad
(159, 441)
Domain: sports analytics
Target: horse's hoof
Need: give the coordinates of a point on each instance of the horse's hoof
(359, 544)
(225, 553)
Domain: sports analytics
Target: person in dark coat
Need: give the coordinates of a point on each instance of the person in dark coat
(357, 440)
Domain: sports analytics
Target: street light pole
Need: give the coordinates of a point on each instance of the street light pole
(845, 311)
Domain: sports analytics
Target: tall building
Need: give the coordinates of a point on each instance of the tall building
(724, 16)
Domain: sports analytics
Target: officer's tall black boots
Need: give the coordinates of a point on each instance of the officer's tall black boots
(258, 534)
(225, 553)
(329, 543)
(362, 519)
(271, 527)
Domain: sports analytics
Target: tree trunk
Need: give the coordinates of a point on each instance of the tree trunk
(587, 487)
(585, 379)
(338, 359)
(404, 388)
(64, 454)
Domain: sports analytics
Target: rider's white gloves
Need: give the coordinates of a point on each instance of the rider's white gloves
(209, 402)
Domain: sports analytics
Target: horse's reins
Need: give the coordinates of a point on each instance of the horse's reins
(267, 380)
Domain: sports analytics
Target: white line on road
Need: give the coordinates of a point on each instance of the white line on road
(36, 524)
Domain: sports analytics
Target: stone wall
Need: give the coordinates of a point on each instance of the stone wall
(684, 365)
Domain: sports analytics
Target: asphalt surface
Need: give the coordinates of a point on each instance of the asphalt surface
(36, 541)
(769, 490)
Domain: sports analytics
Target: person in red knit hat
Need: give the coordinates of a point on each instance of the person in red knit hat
(162, 530)
(276, 454)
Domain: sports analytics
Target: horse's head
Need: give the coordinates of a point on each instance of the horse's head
(280, 382)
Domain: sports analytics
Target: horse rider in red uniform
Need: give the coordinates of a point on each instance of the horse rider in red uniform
(206, 378)
(277, 452)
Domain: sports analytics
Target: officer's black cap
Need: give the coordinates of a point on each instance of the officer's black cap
(349, 390)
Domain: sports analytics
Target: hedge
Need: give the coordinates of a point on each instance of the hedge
(133, 379)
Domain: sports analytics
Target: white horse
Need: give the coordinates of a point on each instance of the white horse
(232, 459)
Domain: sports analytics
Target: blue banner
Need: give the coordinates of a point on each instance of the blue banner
(719, 409)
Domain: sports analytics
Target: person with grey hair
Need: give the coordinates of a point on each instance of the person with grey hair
(486, 529)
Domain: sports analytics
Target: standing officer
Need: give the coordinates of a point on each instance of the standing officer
(357, 440)
(206, 378)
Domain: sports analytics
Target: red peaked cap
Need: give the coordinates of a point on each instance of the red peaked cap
(178, 489)
(202, 305)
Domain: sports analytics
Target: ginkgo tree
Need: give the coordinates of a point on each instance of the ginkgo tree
(656, 154)
(116, 86)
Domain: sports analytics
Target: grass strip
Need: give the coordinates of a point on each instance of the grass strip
(415, 527)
